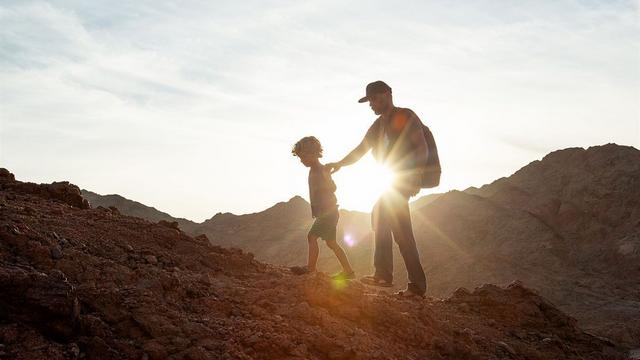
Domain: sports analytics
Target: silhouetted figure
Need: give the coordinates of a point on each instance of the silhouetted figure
(324, 208)
(398, 139)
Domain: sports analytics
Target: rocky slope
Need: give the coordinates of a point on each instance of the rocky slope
(567, 225)
(91, 283)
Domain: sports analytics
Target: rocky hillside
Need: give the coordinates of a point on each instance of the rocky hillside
(91, 283)
(567, 225)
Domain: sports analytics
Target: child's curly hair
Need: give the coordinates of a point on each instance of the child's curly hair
(307, 145)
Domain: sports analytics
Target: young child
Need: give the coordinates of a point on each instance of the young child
(324, 208)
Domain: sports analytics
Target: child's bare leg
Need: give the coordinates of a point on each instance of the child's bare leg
(313, 252)
(340, 254)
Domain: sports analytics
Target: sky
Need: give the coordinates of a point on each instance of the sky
(192, 106)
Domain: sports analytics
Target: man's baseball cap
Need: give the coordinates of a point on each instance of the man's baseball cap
(376, 87)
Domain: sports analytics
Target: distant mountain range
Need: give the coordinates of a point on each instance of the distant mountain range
(567, 225)
(134, 208)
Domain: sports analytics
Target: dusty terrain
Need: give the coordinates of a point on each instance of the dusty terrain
(91, 283)
(567, 225)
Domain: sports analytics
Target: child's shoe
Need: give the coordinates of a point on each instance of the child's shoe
(299, 270)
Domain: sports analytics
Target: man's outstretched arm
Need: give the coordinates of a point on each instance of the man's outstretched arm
(355, 155)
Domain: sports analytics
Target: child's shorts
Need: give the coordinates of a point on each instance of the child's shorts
(325, 225)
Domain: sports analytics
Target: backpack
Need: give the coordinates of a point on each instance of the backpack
(430, 173)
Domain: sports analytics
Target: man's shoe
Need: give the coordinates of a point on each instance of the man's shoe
(409, 294)
(342, 275)
(375, 281)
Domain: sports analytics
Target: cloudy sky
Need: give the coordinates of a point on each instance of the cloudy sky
(192, 106)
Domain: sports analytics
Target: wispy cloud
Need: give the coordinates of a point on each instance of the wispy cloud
(199, 97)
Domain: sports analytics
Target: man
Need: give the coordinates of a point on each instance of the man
(397, 140)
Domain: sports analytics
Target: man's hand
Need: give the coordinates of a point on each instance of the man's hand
(333, 167)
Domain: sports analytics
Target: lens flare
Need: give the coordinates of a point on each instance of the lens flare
(385, 178)
(348, 239)
(339, 284)
(360, 187)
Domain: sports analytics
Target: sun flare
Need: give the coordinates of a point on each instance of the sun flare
(360, 185)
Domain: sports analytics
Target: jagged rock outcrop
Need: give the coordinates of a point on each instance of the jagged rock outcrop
(108, 286)
(62, 191)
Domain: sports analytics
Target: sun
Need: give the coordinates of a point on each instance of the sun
(360, 185)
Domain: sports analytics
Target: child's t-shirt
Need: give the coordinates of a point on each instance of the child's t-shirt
(321, 191)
